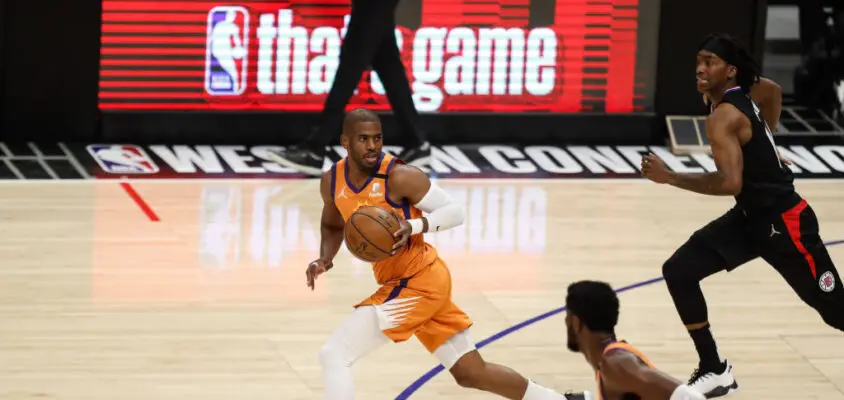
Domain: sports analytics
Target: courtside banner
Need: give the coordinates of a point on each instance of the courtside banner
(129, 161)
(118, 161)
(501, 56)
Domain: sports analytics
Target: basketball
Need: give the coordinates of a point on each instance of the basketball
(369, 233)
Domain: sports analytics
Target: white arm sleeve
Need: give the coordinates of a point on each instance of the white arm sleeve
(443, 212)
(684, 392)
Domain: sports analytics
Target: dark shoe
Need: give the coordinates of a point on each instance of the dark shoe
(586, 395)
(300, 158)
(418, 156)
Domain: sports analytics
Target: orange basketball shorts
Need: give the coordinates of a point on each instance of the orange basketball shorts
(421, 306)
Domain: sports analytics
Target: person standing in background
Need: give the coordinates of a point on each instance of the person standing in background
(369, 41)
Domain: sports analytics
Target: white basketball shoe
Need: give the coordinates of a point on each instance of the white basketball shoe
(713, 384)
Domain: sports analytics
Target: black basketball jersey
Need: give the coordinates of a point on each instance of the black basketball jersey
(766, 181)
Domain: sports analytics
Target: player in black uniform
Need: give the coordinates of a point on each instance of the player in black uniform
(769, 220)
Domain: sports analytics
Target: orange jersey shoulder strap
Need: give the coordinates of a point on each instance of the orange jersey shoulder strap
(622, 345)
(388, 161)
(619, 345)
(387, 165)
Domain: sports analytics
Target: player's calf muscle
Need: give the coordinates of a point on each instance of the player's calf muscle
(492, 378)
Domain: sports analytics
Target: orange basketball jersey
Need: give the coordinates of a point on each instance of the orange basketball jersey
(417, 255)
(624, 346)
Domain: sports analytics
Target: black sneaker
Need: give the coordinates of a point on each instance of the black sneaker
(418, 156)
(300, 158)
(586, 395)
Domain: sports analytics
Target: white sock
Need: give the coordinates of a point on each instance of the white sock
(357, 336)
(537, 392)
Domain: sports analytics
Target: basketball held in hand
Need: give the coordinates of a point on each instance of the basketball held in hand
(369, 233)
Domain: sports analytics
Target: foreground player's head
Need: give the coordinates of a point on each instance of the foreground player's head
(362, 138)
(591, 309)
(722, 62)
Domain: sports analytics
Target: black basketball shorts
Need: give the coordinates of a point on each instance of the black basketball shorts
(788, 241)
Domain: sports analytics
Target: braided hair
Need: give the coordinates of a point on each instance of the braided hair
(735, 53)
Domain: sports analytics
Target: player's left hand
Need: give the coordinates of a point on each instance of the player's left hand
(403, 235)
(654, 169)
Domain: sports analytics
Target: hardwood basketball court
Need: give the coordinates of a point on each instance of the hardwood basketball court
(100, 303)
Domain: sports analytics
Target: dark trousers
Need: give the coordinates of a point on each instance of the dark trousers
(788, 241)
(370, 40)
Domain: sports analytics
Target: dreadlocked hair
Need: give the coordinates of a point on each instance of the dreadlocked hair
(738, 55)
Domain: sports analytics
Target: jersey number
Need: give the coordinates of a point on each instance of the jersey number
(768, 132)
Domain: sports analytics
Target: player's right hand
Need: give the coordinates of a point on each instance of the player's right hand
(783, 159)
(402, 236)
(317, 268)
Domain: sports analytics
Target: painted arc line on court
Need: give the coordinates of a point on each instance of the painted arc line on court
(417, 384)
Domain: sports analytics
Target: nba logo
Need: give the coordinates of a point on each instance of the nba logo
(226, 51)
(122, 159)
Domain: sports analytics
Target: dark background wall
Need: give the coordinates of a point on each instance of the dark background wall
(50, 58)
(683, 25)
(3, 27)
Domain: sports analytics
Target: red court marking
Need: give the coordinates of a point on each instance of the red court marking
(139, 201)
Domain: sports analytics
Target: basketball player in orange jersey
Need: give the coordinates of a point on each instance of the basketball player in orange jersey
(415, 293)
(621, 371)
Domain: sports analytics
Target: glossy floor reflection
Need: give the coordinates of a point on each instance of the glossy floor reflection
(97, 302)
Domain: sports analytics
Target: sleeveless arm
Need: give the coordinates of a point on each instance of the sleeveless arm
(768, 95)
(623, 372)
(721, 128)
(411, 184)
(331, 222)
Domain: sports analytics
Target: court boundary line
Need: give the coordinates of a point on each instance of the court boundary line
(139, 200)
(426, 377)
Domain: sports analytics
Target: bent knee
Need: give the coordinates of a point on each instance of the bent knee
(459, 355)
(454, 349)
(672, 269)
(690, 263)
(469, 378)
